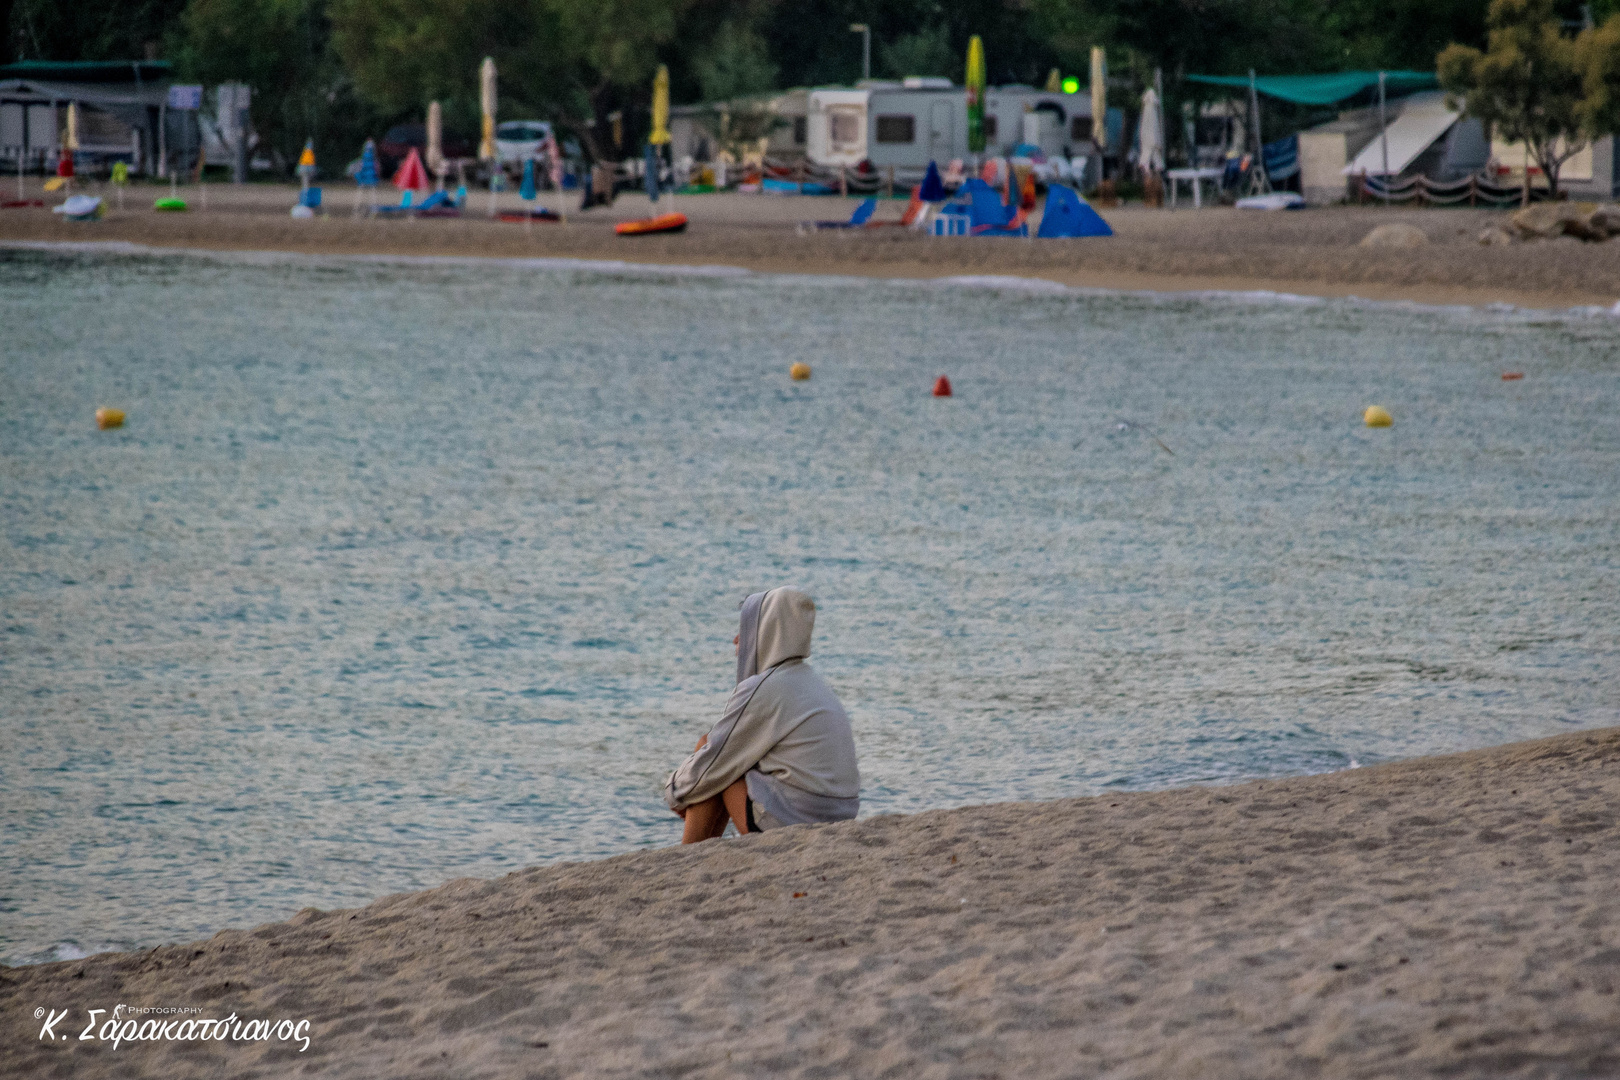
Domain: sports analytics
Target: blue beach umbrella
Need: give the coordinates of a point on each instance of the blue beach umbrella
(367, 176)
(933, 188)
(526, 192)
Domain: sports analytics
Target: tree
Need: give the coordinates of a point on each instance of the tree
(733, 72)
(88, 29)
(573, 61)
(1526, 84)
(1597, 54)
(927, 52)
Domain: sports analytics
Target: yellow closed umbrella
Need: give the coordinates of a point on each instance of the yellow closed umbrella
(72, 125)
(975, 95)
(486, 95)
(660, 108)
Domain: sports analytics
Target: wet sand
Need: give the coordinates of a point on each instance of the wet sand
(1454, 916)
(1312, 252)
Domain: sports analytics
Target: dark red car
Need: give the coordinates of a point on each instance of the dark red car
(394, 147)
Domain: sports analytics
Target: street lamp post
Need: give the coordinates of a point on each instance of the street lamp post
(866, 47)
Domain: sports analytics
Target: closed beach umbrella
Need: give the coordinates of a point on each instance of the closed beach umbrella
(1149, 136)
(367, 176)
(73, 125)
(486, 98)
(660, 108)
(1099, 98)
(435, 139)
(527, 191)
(411, 175)
(975, 95)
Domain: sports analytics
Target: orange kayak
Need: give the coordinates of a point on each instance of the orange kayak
(661, 223)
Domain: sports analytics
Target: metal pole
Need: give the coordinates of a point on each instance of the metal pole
(1383, 135)
(1259, 148)
(866, 47)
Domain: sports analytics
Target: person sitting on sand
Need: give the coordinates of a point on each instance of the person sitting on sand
(782, 753)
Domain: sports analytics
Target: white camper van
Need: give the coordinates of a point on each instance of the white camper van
(836, 127)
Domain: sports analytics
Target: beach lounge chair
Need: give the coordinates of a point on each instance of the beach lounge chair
(858, 220)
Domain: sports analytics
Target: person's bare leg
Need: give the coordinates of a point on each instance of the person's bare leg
(705, 821)
(736, 799)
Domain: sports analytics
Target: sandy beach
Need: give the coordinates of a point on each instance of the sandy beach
(1313, 252)
(1451, 916)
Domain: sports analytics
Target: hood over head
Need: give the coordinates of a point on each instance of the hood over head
(775, 626)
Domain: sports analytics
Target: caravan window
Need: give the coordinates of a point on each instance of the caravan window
(897, 129)
(801, 128)
(844, 127)
(1080, 129)
(990, 127)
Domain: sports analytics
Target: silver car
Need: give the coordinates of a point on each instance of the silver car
(516, 141)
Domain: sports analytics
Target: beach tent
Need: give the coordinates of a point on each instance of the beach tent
(1418, 127)
(1067, 214)
(988, 215)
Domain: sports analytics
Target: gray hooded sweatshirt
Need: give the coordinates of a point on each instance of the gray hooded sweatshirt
(783, 728)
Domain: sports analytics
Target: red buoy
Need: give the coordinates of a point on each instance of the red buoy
(1509, 376)
(942, 387)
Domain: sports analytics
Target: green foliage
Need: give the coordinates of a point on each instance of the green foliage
(1402, 34)
(927, 52)
(1597, 55)
(1525, 84)
(282, 49)
(87, 29)
(735, 63)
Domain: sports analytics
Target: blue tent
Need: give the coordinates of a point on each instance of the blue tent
(989, 216)
(1067, 214)
(933, 188)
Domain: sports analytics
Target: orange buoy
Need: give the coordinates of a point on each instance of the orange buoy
(799, 371)
(942, 387)
(109, 418)
(1509, 376)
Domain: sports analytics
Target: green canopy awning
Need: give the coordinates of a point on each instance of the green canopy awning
(1323, 89)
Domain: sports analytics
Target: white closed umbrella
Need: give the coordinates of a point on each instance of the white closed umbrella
(1150, 135)
(435, 142)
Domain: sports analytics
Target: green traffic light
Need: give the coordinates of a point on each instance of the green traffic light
(1071, 85)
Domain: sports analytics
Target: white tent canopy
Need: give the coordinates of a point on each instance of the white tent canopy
(1423, 120)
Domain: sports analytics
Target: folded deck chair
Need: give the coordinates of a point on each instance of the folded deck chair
(863, 213)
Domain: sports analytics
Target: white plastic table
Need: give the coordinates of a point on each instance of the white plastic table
(1197, 178)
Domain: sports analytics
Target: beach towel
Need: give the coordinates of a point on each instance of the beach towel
(783, 728)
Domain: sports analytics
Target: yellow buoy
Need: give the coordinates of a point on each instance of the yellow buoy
(1376, 416)
(109, 418)
(799, 371)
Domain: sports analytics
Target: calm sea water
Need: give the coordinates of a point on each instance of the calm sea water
(404, 572)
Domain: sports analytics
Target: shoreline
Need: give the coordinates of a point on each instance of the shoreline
(1306, 253)
(1101, 282)
(1451, 915)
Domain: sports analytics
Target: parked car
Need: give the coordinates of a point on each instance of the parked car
(394, 147)
(518, 140)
